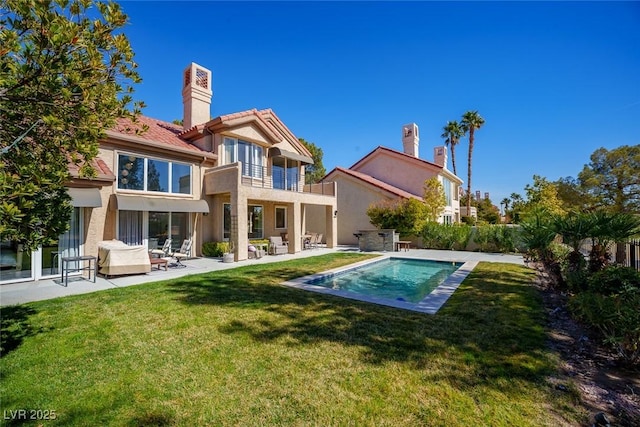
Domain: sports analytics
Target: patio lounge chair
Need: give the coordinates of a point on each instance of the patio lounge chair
(183, 253)
(276, 246)
(164, 252)
(311, 240)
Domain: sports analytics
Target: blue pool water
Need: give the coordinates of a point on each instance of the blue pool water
(393, 278)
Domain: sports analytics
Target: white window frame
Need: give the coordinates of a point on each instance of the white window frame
(145, 172)
(256, 155)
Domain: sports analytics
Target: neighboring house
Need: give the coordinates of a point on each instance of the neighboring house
(387, 174)
(235, 177)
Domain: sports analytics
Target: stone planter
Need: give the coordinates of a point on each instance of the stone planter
(228, 257)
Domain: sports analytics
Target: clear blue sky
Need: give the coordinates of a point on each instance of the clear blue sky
(553, 80)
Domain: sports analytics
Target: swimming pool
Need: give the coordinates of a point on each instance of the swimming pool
(408, 283)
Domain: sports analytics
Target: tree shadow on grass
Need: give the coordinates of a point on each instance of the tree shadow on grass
(488, 325)
(15, 327)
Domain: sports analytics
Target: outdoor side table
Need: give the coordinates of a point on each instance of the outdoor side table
(91, 266)
(403, 244)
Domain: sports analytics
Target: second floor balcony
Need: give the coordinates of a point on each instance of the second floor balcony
(226, 178)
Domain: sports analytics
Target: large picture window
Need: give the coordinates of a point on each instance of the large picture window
(146, 174)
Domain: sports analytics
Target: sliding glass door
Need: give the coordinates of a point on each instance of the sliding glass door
(17, 264)
(160, 227)
(255, 221)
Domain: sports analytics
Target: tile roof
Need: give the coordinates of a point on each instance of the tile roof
(391, 150)
(270, 117)
(376, 182)
(159, 131)
(248, 115)
(174, 135)
(103, 172)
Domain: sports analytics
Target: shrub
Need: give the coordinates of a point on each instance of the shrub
(461, 235)
(560, 251)
(432, 235)
(406, 216)
(215, 249)
(616, 317)
(441, 236)
(537, 234)
(468, 220)
(614, 280)
(497, 238)
(485, 238)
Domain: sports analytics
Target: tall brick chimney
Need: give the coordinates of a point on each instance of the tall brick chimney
(410, 139)
(440, 156)
(196, 95)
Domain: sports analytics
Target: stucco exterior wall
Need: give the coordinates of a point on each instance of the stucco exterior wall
(398, 171)
(354, 197)
(100, 223)
(248, 132)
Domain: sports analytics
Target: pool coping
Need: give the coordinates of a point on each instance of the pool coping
(429, 304)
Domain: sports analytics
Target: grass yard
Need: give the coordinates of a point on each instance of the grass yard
(234, 347)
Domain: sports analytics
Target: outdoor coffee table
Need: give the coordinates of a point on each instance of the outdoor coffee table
(159, 262)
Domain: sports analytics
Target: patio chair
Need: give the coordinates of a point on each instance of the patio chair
(183, 253)
(164, 252)
(318, 240)
(276, 246)
(310, 241)
(153, 243)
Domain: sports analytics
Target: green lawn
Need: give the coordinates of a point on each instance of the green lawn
(235, 348)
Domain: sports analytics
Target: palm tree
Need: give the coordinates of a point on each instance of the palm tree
(471, 121)
(505, 202)
(452, 132)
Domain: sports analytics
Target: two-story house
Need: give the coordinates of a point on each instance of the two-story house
(387, 174)
(234, 177)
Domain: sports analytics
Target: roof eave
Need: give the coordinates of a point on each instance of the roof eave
(118, 138)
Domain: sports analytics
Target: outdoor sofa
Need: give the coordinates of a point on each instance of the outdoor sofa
(116, 258)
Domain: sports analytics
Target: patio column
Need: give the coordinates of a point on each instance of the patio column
(240, 240)
(295, 221)
(331, 218)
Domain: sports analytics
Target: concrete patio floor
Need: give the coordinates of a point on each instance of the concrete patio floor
(19, 293)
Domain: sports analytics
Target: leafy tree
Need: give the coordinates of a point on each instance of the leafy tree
(505, 202)
(315, 172)
(543, 194)
(575, 228)
(487, 212)
(612, 178)
(452, 132)
(517, 207)
(471, 121)
(572, 195)
(406, 216)
(434, 198)
(538, 233)
(67, 74)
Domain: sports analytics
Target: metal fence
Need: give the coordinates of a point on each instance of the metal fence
(632, 254)
(258, 176)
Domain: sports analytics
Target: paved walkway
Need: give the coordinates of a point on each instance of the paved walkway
(19, 293)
